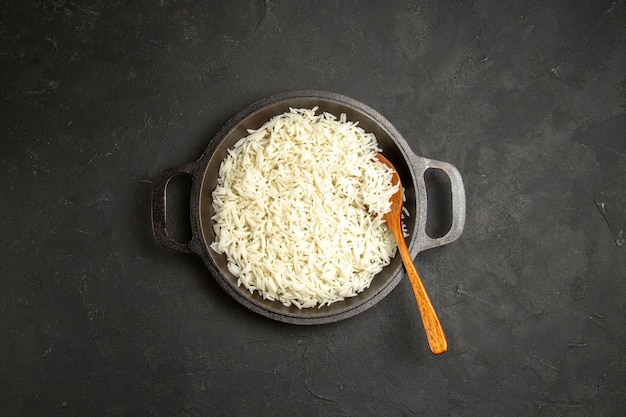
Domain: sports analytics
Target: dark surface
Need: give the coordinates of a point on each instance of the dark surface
(527, 99)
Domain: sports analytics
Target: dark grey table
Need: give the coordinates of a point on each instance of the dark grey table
(526, 98)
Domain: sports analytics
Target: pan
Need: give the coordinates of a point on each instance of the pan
(204, 175)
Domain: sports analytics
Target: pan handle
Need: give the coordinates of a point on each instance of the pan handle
(159, 204)
(458, 202)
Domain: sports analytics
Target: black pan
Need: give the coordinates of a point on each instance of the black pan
(204, 174)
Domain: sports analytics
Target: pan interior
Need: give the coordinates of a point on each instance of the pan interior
(389, 276)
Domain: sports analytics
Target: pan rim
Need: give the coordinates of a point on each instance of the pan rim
(241, 294)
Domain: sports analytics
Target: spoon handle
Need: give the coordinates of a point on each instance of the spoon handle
(434, 332)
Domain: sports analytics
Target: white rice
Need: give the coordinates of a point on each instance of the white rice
(298, 209)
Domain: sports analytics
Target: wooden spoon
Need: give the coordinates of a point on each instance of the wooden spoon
(434, 332)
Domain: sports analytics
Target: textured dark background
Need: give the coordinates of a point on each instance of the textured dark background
(526, 98)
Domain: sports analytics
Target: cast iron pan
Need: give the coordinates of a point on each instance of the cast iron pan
(204, 173)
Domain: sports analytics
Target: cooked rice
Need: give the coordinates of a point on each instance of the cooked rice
(298, 209)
